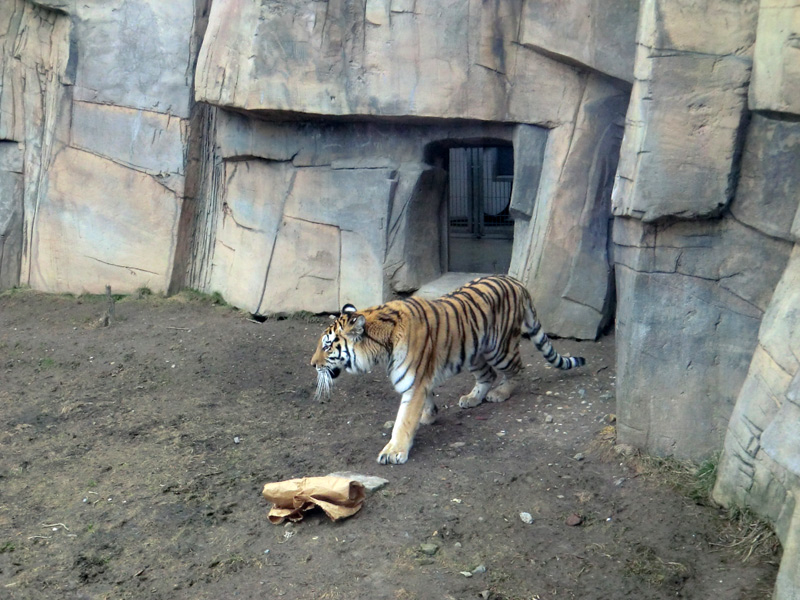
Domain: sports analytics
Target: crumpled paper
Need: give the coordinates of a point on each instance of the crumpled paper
(337, 496)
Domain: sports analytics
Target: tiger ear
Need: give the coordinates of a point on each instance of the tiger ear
(355, 329)
(348, 309)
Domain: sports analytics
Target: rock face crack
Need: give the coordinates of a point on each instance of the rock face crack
(128, 267)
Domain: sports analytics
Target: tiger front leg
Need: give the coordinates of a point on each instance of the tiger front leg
(408, 419)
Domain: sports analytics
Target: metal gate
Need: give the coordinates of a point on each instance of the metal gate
(480, 229)
(480, 191)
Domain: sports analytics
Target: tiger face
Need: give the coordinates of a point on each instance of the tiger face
(336, 349)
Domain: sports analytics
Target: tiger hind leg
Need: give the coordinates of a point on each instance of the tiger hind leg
(429, 411)
(503, 390)
(484, 377)
(507, 369)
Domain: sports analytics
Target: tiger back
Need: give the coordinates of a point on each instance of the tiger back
(424, 342)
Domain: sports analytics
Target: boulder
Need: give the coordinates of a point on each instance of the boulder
(687, 111)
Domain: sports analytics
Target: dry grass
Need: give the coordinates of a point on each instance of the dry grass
(653, 569)
(749, 537)
(743, 533)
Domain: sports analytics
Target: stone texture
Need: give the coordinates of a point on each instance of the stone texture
(690, 300)
(572, 211)
(687, 109)
(303, 271)
(599, 34)
(154, 142)
(371, 181)
(760, 463)
(135, 54)
(11, 188)
(767, 198)
(251, 212)
(452, 60)
(776, 60)
(352, 200)
(83, 242)
(414, 238)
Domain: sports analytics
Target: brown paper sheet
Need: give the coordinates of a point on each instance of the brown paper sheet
(337, 496)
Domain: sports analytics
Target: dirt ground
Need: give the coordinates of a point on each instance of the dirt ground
(132, 459)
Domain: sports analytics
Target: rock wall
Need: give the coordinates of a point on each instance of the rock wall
(293, 156)
(706, 253)
(384, 59)
(95, 108)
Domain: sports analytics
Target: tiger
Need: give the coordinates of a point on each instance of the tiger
(425, 342)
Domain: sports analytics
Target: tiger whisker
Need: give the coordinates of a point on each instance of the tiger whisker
(324, 385)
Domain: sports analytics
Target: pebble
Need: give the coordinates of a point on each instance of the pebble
(371, 483)
(579, 456)
(388, 425)
(574, 520)
(548, 418)
(479, 569)
(526, 517)
(428, 549)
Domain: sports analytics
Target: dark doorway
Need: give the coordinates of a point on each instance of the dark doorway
(480, 229)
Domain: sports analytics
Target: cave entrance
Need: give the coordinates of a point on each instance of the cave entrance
(480, 230)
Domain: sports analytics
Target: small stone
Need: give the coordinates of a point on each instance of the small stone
(548, 418)
(428, 549)
(579, 456)
(479, 569)
(582, 393)
(466, 573)
(458, 444)
(484, 594)
(388, 425)
(574, 520)
(526, 517)
(620, 481)
(371, 483)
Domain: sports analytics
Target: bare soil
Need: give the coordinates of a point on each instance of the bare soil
(132, 458)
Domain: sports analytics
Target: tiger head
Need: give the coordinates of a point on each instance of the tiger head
(335, 349)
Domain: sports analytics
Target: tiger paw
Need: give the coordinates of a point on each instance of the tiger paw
(469, 401)
(393, 455)
(498, 395)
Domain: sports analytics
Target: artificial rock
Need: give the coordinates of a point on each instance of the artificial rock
(687, 110)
